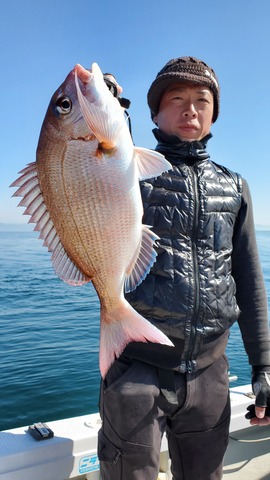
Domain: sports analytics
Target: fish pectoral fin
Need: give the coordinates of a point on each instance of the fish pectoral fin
(140, 266)
(150, 163)
(29, 189)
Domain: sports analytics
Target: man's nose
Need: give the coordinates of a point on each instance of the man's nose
(190, 110)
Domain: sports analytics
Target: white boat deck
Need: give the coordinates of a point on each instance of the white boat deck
(72, 452)
(248, 455)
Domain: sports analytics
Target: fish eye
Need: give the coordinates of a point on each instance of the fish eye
(63, 105)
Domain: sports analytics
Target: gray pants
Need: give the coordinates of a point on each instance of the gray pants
(136, 410)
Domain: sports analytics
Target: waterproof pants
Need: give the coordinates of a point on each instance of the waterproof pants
(137, 407)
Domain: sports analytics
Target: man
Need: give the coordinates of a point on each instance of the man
(207, 276)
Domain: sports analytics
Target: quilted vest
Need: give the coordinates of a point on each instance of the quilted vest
(190, 292)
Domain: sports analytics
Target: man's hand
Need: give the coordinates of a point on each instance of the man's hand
(259, 414)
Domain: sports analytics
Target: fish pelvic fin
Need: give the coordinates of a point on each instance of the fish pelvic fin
(140, 266)
(120, 327)
(29, 189)
(150, 163)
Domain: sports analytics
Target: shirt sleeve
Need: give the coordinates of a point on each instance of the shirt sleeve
(250, 287)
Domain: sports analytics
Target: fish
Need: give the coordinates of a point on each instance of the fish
(83, 195)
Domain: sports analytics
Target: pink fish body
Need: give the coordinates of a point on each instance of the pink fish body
(83, 194)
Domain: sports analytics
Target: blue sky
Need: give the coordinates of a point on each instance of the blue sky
(41, 41)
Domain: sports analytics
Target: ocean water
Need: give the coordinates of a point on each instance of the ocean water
(49, 339)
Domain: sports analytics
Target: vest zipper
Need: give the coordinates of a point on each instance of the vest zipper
(190, 364)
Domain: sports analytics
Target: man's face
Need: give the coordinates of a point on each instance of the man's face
(186, 110)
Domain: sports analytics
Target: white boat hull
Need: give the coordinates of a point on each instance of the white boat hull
(72, 452)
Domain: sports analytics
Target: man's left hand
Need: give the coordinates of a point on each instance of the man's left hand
(260, 413)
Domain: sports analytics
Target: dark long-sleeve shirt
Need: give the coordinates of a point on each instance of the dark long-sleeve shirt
(250, 286)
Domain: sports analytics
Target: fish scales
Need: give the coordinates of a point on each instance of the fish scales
(98, 208)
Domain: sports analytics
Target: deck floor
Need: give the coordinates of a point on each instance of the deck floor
(248, 455)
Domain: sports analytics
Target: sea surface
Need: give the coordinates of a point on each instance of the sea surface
(49, 336)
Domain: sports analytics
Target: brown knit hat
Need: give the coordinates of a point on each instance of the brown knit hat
(185, 69)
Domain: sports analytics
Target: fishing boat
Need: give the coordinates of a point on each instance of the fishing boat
(67, 449)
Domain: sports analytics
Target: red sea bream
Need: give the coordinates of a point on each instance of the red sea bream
(83, 195)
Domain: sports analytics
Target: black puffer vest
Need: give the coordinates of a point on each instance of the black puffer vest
(190, 292)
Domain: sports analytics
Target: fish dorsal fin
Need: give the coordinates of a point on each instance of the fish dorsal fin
(33, 200)
(142, 264)
(150, 163)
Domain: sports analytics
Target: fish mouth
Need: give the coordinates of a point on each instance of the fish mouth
(83, 74)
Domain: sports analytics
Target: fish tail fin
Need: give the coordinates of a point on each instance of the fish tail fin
(120, 327)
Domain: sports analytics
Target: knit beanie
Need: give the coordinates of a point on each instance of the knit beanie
(183, 69)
